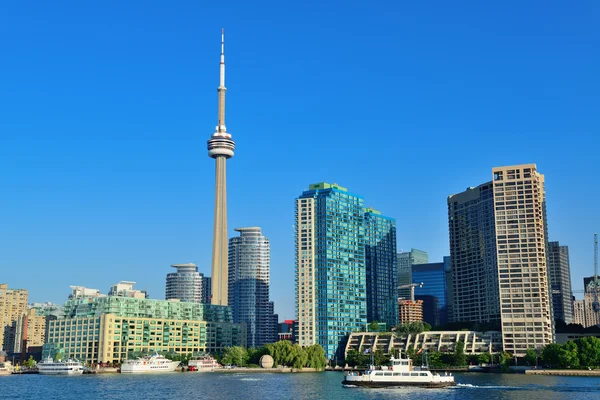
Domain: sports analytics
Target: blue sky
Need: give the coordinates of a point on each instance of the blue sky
(105, 109)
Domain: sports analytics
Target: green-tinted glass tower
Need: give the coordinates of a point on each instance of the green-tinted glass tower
(330, 266)
(381, 268)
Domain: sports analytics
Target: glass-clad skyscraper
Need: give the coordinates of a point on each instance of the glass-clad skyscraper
(185, 284)
(330, 266)
(406, 260)
(249, 275)
(434, 290)
(559, 271)
(381, 268)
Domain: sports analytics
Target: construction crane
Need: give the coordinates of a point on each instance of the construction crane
(412, 289)
(595, 303)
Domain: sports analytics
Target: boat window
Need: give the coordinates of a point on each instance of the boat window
(387, 374)
(423, 373)
(414, 374)
(396, 373)
(405, 374)
(378, 373)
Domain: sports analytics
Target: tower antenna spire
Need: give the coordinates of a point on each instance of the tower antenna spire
(221, 89)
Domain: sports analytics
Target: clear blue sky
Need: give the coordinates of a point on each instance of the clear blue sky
(105, 109)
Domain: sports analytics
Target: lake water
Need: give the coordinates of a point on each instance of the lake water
(249, 386)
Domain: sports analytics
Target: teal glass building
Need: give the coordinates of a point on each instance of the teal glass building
(381, 266)
(331, 298)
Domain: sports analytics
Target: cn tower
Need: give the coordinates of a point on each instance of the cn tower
(220, 147)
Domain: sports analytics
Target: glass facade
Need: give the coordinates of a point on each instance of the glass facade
(185, 284)
(474, 276)
(434, 291)
(249, 279)
(405, 262)
(559, 271)
(330, 266)
(381, 268)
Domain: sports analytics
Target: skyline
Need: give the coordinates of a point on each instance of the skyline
(106, 113)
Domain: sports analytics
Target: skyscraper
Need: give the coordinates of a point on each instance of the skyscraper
(499, 229)
(185, 284)
(249, 279)
(330, 266)
(474, 268)
(381, 268)
(591, 317)
(13, 305)
(434, 292)
(560, 281)
(220, 147)
(406, 260)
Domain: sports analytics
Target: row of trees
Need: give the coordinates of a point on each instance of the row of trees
(583, 352)
(284, 353)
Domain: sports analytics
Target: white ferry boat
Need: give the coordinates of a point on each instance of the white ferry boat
(68, 367)
(399, 373)
(203, 363)
(149, 364)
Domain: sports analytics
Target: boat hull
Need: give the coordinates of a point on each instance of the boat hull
(125, 369)
(70, 372)
(384, 384)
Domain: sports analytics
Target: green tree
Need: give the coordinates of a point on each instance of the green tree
(435, 360)
(297, 357)
(30, 362)
(379, 358)
(483, 358)
(571, 354)
(589, 351)
(315, 357)
(459, 358)
(373, 327)
(235, 355)
(553, 355)
(281, 352)
(531, 356)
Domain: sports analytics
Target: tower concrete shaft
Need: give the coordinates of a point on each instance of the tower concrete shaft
(220, 147)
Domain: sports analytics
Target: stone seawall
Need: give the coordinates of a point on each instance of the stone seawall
(563, 372)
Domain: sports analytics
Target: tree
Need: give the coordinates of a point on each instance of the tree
(459, 358)
(235, 355)
(553, 355)
(571, 355)
(30, 362)
(531, 356)
(297, 357)
(379, 358)
(373, 327)
(315, 357)
(589, 351)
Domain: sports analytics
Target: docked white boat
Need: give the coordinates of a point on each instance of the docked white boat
(203, 363)
(149, 364)
(400, 373)
(60, 367)
(6, 368)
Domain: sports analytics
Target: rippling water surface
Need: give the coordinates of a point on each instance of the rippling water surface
(248, 386)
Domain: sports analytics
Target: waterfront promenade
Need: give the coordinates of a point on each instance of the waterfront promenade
(564, 372)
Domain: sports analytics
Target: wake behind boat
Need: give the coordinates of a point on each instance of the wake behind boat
(399, 373)
(149, 364)
(68, 367)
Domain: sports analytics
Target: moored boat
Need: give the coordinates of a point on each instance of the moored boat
(6, 368)
(149, 364)
(60, 367)
(203, 363)
(400, 372)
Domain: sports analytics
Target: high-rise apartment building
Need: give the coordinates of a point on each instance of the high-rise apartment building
(13, 305)
(560, 280)
(381, 268)
(434, 291)
(330, 266)
(498, 242)
(521, 242)
(125, 289)
(206, 289)
(113, 328)
(579, 313)
(406, 260)
(186, 284)
(474, 268)
(249, 280)
(410, 311)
